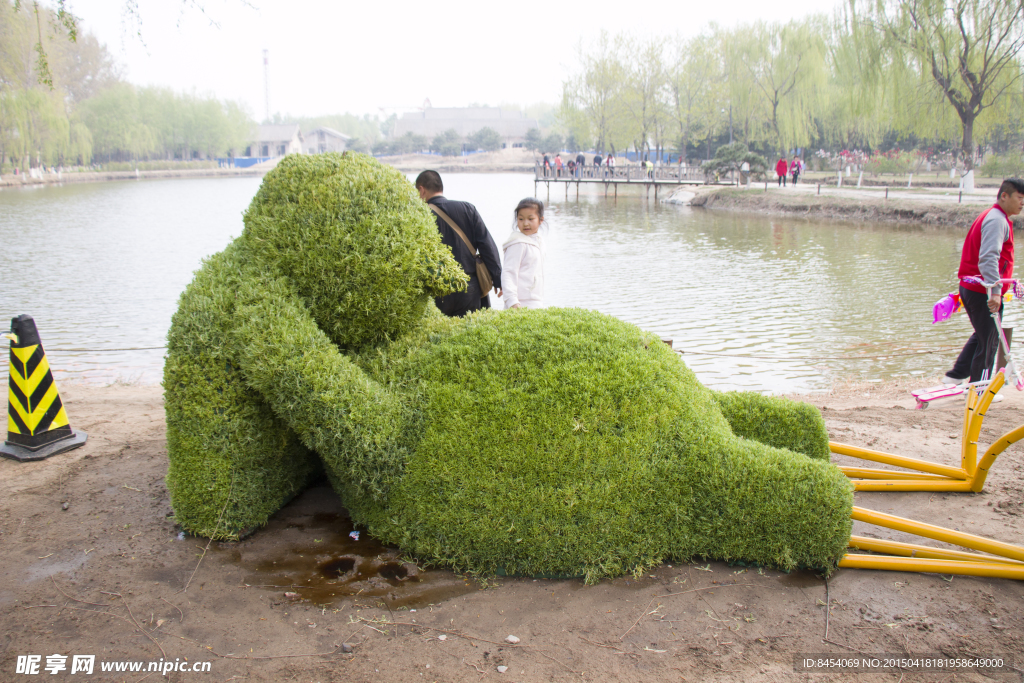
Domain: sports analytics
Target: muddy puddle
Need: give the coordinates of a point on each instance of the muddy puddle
(308, 549)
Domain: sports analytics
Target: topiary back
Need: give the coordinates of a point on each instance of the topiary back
(356, 241)
(567, 442)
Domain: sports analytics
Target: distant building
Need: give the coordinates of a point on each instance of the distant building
(432, 121)
(276, 141)
(324, 139)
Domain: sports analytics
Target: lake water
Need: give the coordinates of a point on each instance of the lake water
(755, 302)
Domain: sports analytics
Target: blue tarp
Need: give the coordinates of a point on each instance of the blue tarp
(241, 162)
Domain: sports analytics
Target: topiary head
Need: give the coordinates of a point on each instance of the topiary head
(354, 238)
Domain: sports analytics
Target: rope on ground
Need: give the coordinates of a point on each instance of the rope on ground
(925, 352)
(136, 348)
(814, 358)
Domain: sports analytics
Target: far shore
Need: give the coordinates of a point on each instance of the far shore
(25, 180)
(938, 207)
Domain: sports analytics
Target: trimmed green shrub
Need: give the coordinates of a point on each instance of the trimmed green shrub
(233, 461)
(556, 441)
(337, 251)
(563, 441)
(355, 240)
(776, 422)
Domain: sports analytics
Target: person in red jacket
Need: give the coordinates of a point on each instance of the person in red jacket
(780, 170)
(988, 254)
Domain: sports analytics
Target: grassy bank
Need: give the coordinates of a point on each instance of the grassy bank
(919, 210)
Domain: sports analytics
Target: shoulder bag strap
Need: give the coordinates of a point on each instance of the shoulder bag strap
(454, 227)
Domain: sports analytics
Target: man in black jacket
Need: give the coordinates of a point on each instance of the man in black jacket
(464, 215)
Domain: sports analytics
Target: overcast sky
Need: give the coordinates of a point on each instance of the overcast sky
(330, 57)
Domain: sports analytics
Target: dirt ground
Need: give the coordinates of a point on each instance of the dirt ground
(93, 564)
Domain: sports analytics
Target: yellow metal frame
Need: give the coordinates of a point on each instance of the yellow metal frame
(1003, 561)
(930, 476)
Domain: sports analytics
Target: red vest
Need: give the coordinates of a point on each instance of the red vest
(969, 259)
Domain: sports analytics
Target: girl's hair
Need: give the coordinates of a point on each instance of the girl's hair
(530, 203)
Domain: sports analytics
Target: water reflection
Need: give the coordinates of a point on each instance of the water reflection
(802, 296)
(100, 266)
(785, 304)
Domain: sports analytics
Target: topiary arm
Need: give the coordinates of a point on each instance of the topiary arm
(232, 461)
(775, 421)
(353, 423)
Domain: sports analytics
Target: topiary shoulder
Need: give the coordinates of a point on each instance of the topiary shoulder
(555, 441)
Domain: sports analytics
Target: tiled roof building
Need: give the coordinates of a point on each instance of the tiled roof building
(432, 121)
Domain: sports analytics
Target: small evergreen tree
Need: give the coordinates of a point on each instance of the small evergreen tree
(448, 143)
(487, 139)
(534, 140)
(730, 158)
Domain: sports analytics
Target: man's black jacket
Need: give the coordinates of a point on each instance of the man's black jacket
(469, 221)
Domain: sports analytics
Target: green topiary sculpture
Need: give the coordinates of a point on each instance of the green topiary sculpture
(556, 441)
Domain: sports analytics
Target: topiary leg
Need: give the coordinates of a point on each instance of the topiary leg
(233, 462)
(357, 427)
(775, 421)
(760, 504)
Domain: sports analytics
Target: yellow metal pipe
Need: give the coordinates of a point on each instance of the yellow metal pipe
(898, 460)
(961, 486)
(878, 545)
(938, 533)
(993, 451)
(968, 449)
(871, 473)
(974, 429)
(910, 564)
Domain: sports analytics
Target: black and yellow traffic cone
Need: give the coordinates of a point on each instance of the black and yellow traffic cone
(37, 426)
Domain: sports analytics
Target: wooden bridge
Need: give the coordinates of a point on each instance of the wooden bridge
(627, 174)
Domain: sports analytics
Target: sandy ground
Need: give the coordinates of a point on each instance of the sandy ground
(111, 576)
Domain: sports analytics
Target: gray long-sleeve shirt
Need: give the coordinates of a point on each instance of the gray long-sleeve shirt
(995, 230)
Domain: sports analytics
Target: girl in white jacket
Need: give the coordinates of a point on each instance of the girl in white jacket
(522, 276)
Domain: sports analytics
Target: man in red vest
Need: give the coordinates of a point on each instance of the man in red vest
(988, 254)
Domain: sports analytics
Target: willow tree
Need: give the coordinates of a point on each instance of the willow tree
(644, 90)
(967, 50)
(856, 112)
(39, 122)
(694, 77)
(780, 72)
(592, 98)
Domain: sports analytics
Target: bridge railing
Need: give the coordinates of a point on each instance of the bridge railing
(620, 173)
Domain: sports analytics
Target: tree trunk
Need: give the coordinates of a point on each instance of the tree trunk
(967, 147)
